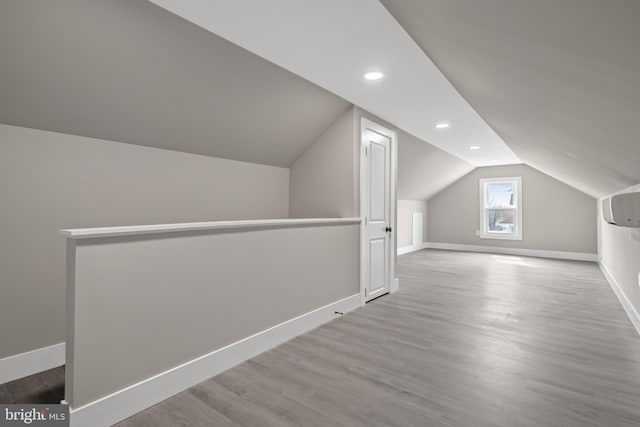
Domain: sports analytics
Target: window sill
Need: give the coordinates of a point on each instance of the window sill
(498, 237)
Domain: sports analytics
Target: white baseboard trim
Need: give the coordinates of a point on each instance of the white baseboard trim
(29, 363)
(133, 399)
(408, 249)
(576, 256)
(622, 297)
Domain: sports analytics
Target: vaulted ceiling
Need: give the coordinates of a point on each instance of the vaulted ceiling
(424, 170)
(559, 81)
(553, 84)
(132, 72)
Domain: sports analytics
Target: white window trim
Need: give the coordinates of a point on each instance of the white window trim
(484, 232)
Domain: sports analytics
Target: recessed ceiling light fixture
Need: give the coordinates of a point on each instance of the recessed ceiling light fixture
(474, 147)
(373, 75)
(442, 125)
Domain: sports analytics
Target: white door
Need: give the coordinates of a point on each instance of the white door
(376, 207)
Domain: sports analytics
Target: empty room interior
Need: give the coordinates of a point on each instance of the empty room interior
(320, 213)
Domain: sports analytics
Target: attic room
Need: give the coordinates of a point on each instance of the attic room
(320, 213)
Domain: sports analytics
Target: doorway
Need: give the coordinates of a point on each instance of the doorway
(377, 209)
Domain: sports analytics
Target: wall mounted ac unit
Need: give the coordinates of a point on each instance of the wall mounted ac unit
(622, 209)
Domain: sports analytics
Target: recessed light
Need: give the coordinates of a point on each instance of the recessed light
(442, 125)
(474, 147)
(374, 75)
(494, 161)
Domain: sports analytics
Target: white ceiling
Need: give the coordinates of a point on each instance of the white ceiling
(424, 170)
(559, 81)
(333, 43)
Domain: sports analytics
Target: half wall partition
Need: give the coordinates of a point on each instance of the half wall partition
(153, 310)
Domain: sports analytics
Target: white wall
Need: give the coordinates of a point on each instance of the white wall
(321, 182)
(50, 181)
(620, 254)
(406, 209)
(556, 217)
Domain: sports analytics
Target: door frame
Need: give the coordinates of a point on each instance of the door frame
(364, 197)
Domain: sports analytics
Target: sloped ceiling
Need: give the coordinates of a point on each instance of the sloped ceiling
(559, 81)
(333, 43)
(132, 72)
(424, 170)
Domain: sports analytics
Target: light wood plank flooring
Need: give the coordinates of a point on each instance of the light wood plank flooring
(469, 340)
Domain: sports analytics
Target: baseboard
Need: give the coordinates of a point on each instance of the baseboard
(131, 400)
(576, 256)
(29, 363)
(622, 297)
(413, 248)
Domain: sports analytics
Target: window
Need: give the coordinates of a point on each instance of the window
(501, 208)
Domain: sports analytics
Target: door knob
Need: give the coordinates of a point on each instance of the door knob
(388, 229)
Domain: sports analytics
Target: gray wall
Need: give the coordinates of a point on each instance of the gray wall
(50, 181)
(620, 254)
(406, 209)
(424, 170)
(161, 300)
(321, 181)
(324, 181)
(556, 217)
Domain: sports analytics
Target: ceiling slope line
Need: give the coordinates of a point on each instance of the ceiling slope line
(334, 43)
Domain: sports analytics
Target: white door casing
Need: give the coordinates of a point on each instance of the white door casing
(377, 207)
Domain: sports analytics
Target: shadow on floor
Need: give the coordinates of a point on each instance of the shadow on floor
(43, 387)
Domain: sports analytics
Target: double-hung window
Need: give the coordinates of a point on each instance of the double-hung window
(501, 208)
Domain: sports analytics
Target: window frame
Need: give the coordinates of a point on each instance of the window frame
(516, 181)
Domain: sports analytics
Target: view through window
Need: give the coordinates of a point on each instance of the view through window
(501, 208)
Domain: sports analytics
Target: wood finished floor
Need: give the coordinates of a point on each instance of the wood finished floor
(469, 340)
(44, 387)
